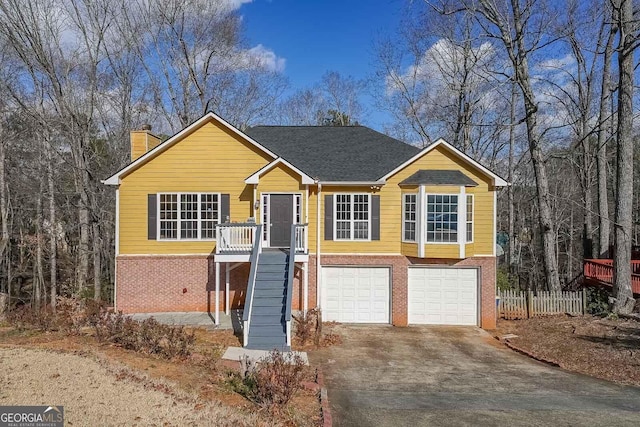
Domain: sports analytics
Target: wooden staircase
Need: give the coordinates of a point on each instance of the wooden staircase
(268, 328)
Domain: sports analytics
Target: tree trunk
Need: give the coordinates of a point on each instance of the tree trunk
(622, 291)
(97, 265)
(38, 270)
(53, 233)
(542, 185)
(512, 219)
(515, 44)
(4, 214)
(83, 219)
(601, 156)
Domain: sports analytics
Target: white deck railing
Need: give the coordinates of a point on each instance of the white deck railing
(302, 237)
(238, 237)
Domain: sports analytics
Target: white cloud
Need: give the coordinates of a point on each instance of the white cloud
(267, 58)
(235, 4)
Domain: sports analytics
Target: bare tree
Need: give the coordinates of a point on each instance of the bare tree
(623, 294)
(604, 223)
(518, 27)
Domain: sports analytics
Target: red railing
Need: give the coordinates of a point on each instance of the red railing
(601, 270)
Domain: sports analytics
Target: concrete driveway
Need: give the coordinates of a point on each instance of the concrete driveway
(444, 376)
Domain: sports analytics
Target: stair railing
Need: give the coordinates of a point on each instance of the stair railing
(248, 301)
(290, 275)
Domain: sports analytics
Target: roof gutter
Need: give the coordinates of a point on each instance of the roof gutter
(363, 183)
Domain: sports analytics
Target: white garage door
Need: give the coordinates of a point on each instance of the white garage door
(443, 296)
(355, 294)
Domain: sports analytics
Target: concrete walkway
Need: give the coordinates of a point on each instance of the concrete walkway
(459, 376)
(196, 319)
(236, 353)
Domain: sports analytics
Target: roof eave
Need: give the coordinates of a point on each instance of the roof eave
(354, 183)
(255, 177)
(115, 178)
(497, 180)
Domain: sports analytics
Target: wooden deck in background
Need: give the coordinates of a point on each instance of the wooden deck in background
(600, 272)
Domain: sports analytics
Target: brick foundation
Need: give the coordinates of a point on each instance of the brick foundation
(148, 284)
(399, 281)
(156, 283)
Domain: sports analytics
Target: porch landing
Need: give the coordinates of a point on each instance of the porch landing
(196, 319)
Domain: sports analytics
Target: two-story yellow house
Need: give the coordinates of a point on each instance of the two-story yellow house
(378, 231)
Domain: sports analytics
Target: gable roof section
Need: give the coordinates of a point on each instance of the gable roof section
(497, 180)
(439, 177)
(255, 178)
(115, 178)
(343, 154)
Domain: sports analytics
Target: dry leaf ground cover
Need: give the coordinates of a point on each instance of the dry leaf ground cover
(601, 347)
(198, 384)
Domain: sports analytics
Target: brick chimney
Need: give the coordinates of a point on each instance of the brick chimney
(142, 141)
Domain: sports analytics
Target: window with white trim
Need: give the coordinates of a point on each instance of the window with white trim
(188, 216)
(442, 218)
(352, 216)
(409, 217)
(469, 218)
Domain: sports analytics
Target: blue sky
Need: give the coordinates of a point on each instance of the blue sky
(318, 36)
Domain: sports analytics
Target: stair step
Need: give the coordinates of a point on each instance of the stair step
(267, 311)
(272, 258)
(266, 319)
(268, 301)
(270, 292)
(281, 275)
(258, 330)
(271, 268)
(268, 341)
(269, 284)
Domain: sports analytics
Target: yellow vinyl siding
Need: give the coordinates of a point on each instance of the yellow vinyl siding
(210, 159)
(390, 230)
(280, 179)
(409, 249)
(442, 250)
(391, 211)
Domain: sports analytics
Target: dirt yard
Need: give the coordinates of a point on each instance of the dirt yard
(95, 381)
(600, 347)
(97, 393)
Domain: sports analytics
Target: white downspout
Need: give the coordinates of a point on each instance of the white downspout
(255, 198)
(227, 307)
(217, 298)
(117, 249)
(318, 272)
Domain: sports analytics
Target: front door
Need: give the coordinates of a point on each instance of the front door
(281, 215)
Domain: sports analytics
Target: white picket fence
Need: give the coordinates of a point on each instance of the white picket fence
(523, 305)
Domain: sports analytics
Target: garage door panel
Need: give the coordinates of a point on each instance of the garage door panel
(355, 295)
(442, 296)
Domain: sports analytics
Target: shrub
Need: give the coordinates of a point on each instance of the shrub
(70, 314)
(148, 336)
(26, 317)
(597, 301)
(277, 378)
(505, 281)
(306, 328)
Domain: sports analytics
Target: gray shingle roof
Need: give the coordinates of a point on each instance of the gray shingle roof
(347, 153)
(439, 177)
